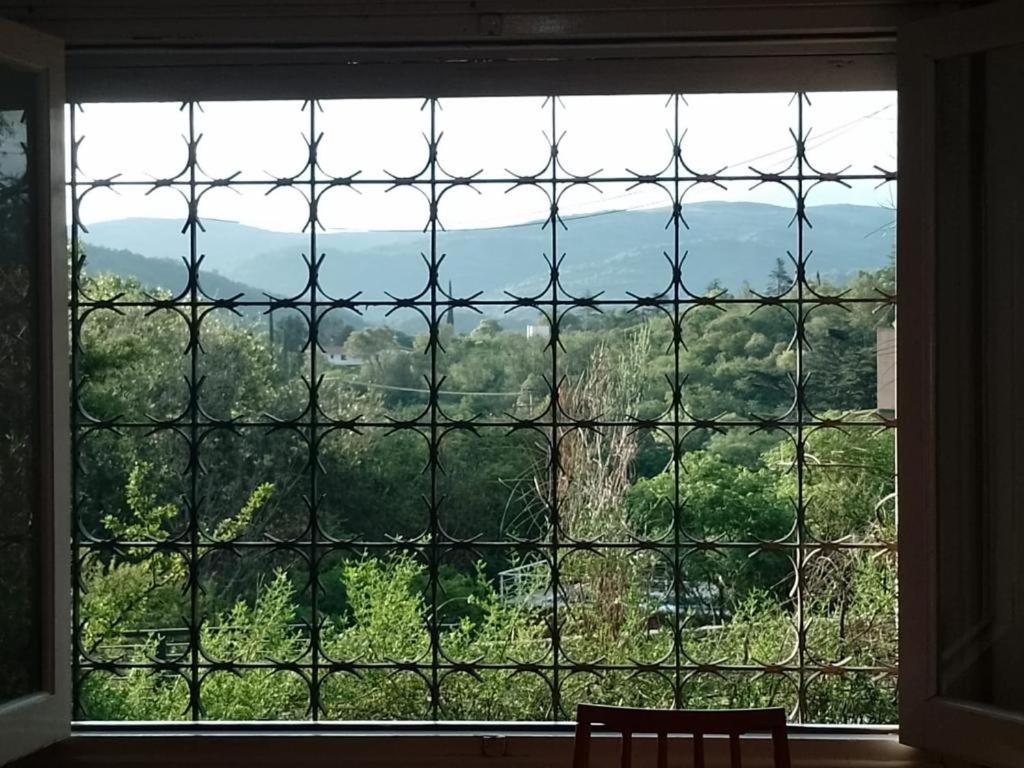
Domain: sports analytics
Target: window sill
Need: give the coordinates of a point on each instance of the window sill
(430, 745)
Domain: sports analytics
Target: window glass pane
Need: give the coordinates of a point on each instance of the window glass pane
(480, 408)
(21, 634)
(981, 527)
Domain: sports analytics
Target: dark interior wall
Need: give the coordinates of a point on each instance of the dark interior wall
(389, 22)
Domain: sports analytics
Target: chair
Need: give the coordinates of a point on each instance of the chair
(698, 723)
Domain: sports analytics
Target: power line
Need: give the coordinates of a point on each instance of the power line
(541, 216)
(831, 133)
(819, 140)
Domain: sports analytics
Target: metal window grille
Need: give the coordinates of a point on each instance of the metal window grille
(538, 562)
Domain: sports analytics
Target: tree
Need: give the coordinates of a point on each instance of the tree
(135, 365)
(615, 484)
(293, 331)
(367, 343)
(738, 362)
(720, 501)
(487, 328)
(779, 279)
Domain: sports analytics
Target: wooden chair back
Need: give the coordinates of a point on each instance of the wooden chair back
(697, 723)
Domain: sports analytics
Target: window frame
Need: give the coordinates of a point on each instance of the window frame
(38, 719)
(802, 64)
(846, 63)
(396, 748)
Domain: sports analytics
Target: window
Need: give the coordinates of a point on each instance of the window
(959, 591)
(475, 409)
(34, 590)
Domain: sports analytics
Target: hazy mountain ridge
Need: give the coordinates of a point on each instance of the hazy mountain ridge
(167, 274)
(617, 253)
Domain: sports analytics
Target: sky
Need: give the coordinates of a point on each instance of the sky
(603, 135)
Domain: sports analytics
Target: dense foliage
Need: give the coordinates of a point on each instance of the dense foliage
(730, 483)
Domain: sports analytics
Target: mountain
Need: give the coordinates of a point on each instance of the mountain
(168, 274)
(617, 252)
(171, 275)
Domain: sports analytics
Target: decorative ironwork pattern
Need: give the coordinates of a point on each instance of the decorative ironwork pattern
(543, 555)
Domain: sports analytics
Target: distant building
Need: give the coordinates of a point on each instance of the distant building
(538, 331)
(885, 370)
(335, 356)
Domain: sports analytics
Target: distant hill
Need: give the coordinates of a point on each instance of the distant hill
(168, 274)
(617, 252)
(171, 275)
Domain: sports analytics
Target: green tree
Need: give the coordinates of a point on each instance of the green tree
(779, 279)
(734, 495)
(367, 343)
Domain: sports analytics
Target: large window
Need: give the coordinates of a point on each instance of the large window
(476, 409)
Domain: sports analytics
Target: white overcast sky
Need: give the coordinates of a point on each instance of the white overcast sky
(263, 140)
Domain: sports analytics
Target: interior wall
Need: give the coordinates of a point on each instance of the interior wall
(148, 23)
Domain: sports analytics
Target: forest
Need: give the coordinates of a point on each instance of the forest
(724, 508)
